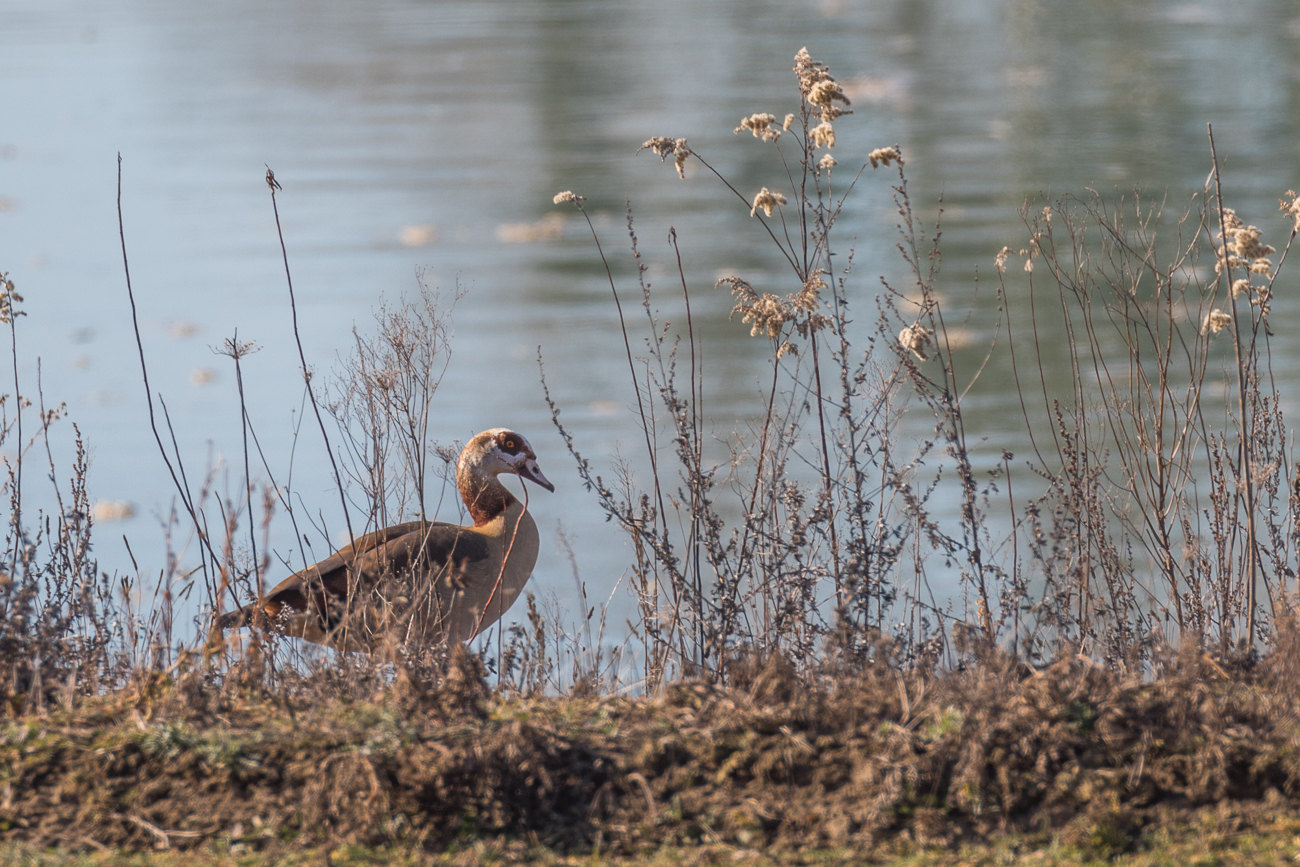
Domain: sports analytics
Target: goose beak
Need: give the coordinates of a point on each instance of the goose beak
(533, 473)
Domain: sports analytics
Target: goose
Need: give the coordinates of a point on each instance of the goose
(422, 582)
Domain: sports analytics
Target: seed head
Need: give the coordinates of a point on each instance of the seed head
(1215, 321)
(818, 87)
(826, 91)
(766, 199)
(761, 126)
(810, 72)
(235, 349)
(568, 196)
(822, 135)
(1000, 261)
(663, 146)
(826, 163)
(1245, 247)
(789, 119)
(917, 339)
(885, 156)
(740, 288)
(768, 314)
(808, 299)
(8, 298)
(1290, 205)
(1263, 295)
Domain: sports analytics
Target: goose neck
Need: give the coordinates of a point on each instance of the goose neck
(483, 493)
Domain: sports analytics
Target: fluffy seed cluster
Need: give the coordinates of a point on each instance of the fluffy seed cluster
(767, 200)
(1290, 205)
(568, 196)
(808, 299)
(1246, 249)
(916, 338)
(1245, 246)
(884, 156)
(8, 298)
(761, 126)
(665, 146)
(768, 313)
(1000, 261)
(1215, 321)
(822, 135)
(819, 87)
(765, 312)
(826, 163)
(1029, 254)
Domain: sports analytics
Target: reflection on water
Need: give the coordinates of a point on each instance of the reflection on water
(432, 135)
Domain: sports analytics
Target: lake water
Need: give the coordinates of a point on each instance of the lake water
(432, 135)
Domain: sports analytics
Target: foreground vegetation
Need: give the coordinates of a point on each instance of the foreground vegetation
(1115, 679)
(1207, 844)
(876, 762)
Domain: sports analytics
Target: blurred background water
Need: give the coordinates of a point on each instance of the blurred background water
(420, 136)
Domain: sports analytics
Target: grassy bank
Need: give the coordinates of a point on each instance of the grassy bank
(1070, 762)
(1113, 676)
(1203, 844)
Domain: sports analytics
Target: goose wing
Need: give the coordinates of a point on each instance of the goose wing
(311, 603)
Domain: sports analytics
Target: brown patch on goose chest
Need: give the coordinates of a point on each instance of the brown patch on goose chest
(486, 498)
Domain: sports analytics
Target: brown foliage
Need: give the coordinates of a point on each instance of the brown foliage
(847, 759)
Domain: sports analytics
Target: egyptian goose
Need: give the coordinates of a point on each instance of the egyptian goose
(419, 583)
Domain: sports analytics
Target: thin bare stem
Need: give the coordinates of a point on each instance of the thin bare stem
(274, 186)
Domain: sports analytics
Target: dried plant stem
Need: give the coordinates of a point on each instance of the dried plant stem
(787, 253)
(302, 356)
(746, 554)
(17, 498)
(697, 433)
(627, 347)
(236, 353)
(182, 489)
(826, 471)
(1247, 472)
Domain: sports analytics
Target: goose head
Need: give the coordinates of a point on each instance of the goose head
(496, 451)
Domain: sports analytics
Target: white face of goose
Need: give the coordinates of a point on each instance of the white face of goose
(516, 456)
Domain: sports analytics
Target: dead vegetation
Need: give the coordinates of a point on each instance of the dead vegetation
(1116, 654)
(878, 758)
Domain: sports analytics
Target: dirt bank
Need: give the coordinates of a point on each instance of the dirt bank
(864, 760)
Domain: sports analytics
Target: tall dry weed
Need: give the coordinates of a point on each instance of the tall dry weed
(1154, 506)
(1146, 514)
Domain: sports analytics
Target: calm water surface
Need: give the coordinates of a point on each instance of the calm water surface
(430, 136)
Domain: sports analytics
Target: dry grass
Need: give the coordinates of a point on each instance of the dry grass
(878, 759)
(1146, 514)
(1118, 663)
